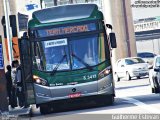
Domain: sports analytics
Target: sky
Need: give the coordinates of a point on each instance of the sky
(139, 13)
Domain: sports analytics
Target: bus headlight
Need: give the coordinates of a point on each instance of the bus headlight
(104, 73)
(40, 81)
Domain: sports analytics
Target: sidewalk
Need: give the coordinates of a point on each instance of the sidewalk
(20, 111)
(16, 114)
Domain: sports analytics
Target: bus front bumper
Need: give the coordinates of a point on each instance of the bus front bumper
(46, 94)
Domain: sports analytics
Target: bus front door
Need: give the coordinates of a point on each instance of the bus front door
(25, 59)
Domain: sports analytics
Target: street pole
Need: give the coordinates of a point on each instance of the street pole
(8, 30)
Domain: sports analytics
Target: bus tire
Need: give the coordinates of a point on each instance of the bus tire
(44, 109)
(106, 100)
(110, 100)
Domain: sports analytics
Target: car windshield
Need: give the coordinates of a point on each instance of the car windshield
(157, 63)
(67, 54)
(130, 61)
(146, 55)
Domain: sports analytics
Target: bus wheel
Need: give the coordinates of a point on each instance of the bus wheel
(45, 109)
(106, 100)
(110, 99)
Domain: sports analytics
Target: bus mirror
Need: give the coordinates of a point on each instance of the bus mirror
(112, 38)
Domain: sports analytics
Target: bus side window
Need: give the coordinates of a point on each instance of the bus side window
(36, 56)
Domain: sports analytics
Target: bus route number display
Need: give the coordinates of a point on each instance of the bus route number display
(67, 30)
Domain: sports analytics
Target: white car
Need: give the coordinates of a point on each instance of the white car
(130, 67)
(154, 75)
(148, 57)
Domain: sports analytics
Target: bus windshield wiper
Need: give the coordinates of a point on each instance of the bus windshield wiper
(84, 63)
(58, 64)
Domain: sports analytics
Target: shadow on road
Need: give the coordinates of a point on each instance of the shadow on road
(133, 79)
(119, 103)
(126, 87)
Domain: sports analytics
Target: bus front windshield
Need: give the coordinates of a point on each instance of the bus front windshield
(69, 53)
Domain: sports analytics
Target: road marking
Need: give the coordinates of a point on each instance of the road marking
(142, 105)
(138, 103)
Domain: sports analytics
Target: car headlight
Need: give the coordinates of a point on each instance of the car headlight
(40, 81)
(104, 73)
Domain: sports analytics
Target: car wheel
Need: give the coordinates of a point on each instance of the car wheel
(156, 85)
(116, 77)
(138, 77)
(153, 90)
(128, 77)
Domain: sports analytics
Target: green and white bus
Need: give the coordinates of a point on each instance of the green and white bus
(66, 56)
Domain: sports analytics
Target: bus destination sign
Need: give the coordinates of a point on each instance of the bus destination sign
(67, 30)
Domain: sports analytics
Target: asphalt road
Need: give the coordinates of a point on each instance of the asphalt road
(132, 97)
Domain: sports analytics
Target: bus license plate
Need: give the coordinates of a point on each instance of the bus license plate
(75, 95)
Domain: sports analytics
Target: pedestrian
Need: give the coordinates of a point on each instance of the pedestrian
(14, 86)
(19, 83)
(9, 83)
(3, 93)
